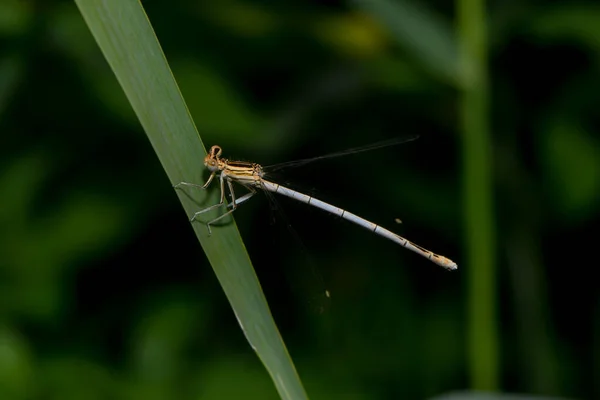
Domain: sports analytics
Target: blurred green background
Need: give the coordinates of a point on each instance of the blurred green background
(105, 291)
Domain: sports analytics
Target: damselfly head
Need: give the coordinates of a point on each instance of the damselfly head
(211, 161)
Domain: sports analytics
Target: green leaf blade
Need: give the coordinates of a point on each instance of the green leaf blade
(127, 40)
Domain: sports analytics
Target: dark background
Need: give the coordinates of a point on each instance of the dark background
(105, 291)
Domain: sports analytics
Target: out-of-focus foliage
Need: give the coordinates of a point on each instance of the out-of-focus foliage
(104, 291)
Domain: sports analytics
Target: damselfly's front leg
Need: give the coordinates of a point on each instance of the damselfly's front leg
(234, 203)
(210, 178)
(221, 179)
(220, 203)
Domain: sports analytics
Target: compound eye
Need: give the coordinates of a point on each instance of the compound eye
(215, 151)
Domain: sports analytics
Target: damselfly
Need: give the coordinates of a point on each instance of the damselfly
(252, 176)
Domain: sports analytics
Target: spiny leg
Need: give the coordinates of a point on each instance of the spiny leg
(210, 178)
(234, 202)
(220, 203)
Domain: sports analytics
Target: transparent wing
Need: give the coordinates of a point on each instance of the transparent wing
(307, 283)
(354, 150)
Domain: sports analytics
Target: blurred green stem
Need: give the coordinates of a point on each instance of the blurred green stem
(478, 196)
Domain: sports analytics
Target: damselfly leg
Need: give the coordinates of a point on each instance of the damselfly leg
(234, 202)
